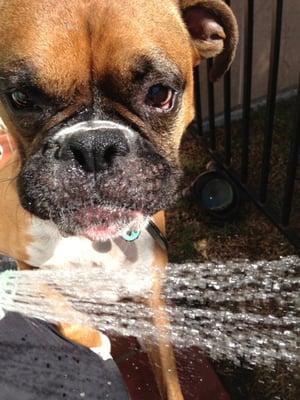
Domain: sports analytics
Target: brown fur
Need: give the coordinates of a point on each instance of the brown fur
(226, 19)
(161, 355)
(14, 220)
(69, 33)
(79, 45)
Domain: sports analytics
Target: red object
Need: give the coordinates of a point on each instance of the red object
(197, 377)
(6, 147)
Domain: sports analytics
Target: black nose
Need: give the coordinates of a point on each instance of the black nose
(94, 151)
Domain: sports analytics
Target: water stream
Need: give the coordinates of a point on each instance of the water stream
(236, 311)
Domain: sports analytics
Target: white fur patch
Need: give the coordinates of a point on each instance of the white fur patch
(132, 264)
(93, 125)
(105, 349)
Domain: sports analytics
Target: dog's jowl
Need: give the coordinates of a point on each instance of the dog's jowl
(97, 95)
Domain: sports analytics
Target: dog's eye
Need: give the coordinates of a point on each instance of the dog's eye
(161, 97)
(21, 100)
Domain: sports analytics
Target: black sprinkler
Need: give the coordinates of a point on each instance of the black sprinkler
(216, 194)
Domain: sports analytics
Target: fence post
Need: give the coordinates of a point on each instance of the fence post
(197, 97)
(227, 113)
(291, 169)
(271, 99)
(248, 46)
(211, 107)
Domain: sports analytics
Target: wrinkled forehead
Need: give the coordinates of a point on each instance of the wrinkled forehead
(64, 45)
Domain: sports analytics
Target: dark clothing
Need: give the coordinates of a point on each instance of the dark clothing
(38, 364)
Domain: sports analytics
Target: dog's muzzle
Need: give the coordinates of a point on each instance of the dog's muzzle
(96, 176)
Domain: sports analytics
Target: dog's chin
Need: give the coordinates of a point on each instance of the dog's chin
(99, 233)
(102, 223)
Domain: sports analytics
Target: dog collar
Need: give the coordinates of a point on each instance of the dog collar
(153, 230)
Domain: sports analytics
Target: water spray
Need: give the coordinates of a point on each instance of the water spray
(233, 311)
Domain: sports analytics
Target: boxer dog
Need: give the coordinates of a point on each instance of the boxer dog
(97, 95)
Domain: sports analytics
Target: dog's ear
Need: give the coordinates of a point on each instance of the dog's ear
(214, 32)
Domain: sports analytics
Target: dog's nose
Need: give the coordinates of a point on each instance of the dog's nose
(94, 151)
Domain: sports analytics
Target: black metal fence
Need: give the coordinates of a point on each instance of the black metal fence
(286, 212)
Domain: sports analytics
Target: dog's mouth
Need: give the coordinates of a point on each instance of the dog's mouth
(97, 209)
(101, 223)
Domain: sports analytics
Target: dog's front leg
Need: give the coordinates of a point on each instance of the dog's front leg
(83, 335)
(87, 337)
(160, 351)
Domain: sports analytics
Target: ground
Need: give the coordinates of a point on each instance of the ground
(194, 236)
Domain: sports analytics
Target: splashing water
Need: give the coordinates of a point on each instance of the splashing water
(234, 311)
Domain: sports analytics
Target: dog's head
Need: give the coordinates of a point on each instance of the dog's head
(97, 95)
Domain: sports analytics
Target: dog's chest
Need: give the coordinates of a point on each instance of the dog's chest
(129, 263)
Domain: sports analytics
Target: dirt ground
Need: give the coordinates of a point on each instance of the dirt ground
(194, 236)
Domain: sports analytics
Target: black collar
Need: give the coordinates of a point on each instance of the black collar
(157, 235)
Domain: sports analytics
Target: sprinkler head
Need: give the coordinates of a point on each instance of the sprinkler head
(216, 194)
